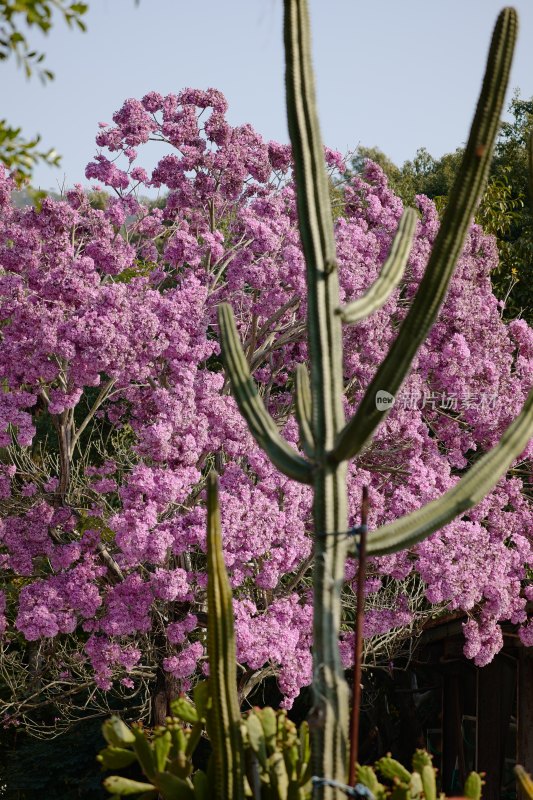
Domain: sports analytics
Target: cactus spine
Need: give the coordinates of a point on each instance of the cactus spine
(327, 440)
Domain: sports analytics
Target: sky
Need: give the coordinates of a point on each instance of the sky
(395, 74)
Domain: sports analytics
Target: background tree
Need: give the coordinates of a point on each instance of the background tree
(17, 18)
(504, 210)
(114, 408)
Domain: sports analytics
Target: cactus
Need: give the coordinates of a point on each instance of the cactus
(524, 779)
(473, 785)
(223, 717)
(327, 440)
(277, 758)
(421, 784)
(280, 765)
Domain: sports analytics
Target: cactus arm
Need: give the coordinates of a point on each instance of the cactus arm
(526, 783)
(224, 718)
(261, 424)
(464, 198)
(303, 405)
(324, 331)
(473, 786)
(469, 490)
(390, 275)
(116, 784)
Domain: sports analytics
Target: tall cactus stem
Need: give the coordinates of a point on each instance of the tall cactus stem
(330, 713)
(224, 718)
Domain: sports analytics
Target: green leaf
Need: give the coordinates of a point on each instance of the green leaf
(116, 732)
(115, 784)
(179, 740)
(201, 699)
(161, 746)
(184, 709)
(193, 738)
(144, 753)
(174, 788)
(368, 778)
(421, 759)
(392, 769)
(201, 786)
(116, 757)
(269, 722)
(305, 752)
(278, 775)
(474, 783)
(256, 737)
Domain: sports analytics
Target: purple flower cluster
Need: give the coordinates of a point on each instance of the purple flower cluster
(108, 320)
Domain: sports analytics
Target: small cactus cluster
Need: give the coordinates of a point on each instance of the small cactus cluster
(420, 784)
(277, 756)
(277, 759)
(165, 759)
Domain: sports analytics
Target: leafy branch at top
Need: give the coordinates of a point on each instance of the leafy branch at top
(16, 14)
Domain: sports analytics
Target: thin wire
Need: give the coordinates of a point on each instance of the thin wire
(360, 530)
(359, 790)
(358, 640)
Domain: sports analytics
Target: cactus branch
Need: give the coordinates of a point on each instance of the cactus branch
(390, 275)
(303, 406)
(526, 783)
(262, 426)
(469, 490)
(224, 718)
(464, 197)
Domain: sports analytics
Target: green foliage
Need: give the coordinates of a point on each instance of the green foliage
(515, 239)
(20, 154)
(17, 152)
(17, 14)
(504, 209)
(278, 764)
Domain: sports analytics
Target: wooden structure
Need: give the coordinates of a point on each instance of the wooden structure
(467, 717)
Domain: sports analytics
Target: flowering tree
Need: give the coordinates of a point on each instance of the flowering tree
(114, 407)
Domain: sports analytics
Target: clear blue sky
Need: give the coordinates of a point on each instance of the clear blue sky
(391, 74)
